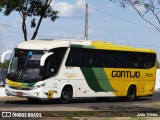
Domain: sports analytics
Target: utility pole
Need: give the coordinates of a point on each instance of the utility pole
(86, 23)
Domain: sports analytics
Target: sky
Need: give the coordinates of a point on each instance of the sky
(107, 22)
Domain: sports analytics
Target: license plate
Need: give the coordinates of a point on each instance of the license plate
(19, 93)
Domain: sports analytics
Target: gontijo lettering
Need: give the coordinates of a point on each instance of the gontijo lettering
(126, 74)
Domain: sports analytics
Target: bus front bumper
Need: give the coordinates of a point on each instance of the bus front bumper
(36, 93)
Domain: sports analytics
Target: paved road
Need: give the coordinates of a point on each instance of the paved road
(151, 103)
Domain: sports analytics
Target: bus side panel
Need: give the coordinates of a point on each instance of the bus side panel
(86, 82)
(116, 82)
(70, 76)
(121, 79)
(149, 75)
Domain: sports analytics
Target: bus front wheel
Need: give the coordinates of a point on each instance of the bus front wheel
(131, 93)
(66, 95)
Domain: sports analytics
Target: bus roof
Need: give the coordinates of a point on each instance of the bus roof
(50, 44)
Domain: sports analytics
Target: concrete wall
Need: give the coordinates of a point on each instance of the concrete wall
(157, 85)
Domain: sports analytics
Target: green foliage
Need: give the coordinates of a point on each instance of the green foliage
(150, 12)
(4, 65)
(0, 6)
(29, 8)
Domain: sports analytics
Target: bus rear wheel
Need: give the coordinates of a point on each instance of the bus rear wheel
(66, 95)
(131, 93)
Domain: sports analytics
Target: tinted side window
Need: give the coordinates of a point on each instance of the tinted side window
(50, 67)
(53, 62)
(106, 59)
(121, 59)
(142, 60)
(135, 60)
(79, 57)
(75, 57)
(148, 60)
(91, 58)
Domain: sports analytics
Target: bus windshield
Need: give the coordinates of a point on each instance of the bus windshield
(25, 66)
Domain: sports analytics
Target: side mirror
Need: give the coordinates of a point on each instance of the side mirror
(4, 55)
(44, 57)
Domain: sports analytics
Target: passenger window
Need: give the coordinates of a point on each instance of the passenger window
(121, 59)
(50, 67)
(53, 62)
(75, 57)
(148, 60)
(135, 60)
(106, 59)
(91, 58)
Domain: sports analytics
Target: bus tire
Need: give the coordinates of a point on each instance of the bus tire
(66, 95)
(33, 100)
(131, 93)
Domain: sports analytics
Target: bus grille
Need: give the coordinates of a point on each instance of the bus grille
(19, 88)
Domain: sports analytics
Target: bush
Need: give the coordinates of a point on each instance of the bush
(4, 65)
(157, 63)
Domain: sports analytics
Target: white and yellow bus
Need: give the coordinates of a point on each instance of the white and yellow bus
(66, 69)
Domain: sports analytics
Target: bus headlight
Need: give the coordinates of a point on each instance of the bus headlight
(37, 86)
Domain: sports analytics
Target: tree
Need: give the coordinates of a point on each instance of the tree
(29, 8)
(149, 10)
(4, 65)
(157, 64)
